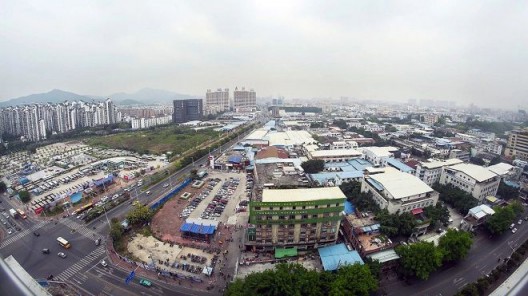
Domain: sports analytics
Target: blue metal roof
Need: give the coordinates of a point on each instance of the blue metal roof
(235, 158)
(336, 256)
(375, 183)
(399, 165)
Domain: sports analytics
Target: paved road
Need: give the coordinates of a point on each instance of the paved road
(82, 266)
(483, 258)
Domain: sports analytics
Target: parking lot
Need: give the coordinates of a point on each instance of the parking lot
(217, 200)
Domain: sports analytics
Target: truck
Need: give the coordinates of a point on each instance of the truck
(13, 213)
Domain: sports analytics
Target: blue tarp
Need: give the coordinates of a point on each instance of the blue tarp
(336, 256)
(23, 180)
(235, 159)
(197, 228)
(349, 207)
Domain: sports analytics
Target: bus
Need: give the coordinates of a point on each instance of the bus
(64, 243)
(83, 208)
(22, 214)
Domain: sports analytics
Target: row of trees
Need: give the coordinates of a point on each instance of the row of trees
(313, 166)
(503, 217)
(294, 279)
(457, 198)
(421, 258)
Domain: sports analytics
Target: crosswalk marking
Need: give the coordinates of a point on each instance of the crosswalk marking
(22, 233)
(74, 269)
(79, 228)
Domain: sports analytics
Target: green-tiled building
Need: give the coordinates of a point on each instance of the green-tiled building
(303, 218)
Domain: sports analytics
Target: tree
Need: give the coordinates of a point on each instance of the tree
(438, 213)
(360, 275)
(139, 215)
(194, 174)
(455, 245)
(501, 220)
(477, 161)
(24, 196)
(294, 279)
(507, 192)
(313, 166)
(340, 123)
(419, 259)
(116, 231)
(3, 187)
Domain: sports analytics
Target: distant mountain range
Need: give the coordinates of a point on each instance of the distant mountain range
(143, 96)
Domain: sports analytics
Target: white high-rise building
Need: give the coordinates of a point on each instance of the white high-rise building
(216, 101)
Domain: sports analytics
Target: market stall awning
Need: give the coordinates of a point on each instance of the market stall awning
(281, 253)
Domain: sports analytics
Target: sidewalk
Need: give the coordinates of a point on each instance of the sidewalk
(514, 284)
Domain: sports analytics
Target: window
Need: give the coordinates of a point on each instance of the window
(280, 208)
(314, 216)
(271, 208)
(292, 217)
(257, 208)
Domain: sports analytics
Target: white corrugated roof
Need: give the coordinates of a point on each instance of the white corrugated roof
(401, 185)
(335, 153)
(501, 169)
(303, 194)
(440, 163)
(474, 171)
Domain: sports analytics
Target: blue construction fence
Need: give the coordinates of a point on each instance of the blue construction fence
(169, 195)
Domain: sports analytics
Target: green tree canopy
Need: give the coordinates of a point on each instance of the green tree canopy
(455, 245)
(116, 231)
(507, 192)
(501, 220)
(457, 198)
(294, 279)
(313, 166)
(438, 213)
(24, 196)
(340, 123)
(3, 187)
(360, 275)
(419, 259)
(139, 214)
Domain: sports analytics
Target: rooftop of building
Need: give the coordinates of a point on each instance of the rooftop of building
(501, 169)
(302, 194)
(336, 153)
(474, 171)
(399, 165)
(481, 211)
(398, 184)
(381, 151)
(436, 163)
(280, 174)
(271, 151)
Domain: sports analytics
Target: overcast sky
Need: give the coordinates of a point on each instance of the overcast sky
(466, 51)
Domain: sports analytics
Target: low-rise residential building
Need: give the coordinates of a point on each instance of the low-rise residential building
(303, 218)
(460, 154)
(473, 179)
(430, 171)
(475, 217)
(378, 155)
(363, 233)
(398, 192)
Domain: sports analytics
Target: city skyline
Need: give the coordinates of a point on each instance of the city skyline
(467, 53)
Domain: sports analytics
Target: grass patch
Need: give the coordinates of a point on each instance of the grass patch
(156, 141)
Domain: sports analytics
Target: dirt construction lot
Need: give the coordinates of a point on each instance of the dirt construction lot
(167, 222)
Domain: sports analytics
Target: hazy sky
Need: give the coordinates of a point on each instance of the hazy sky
(466, 51)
